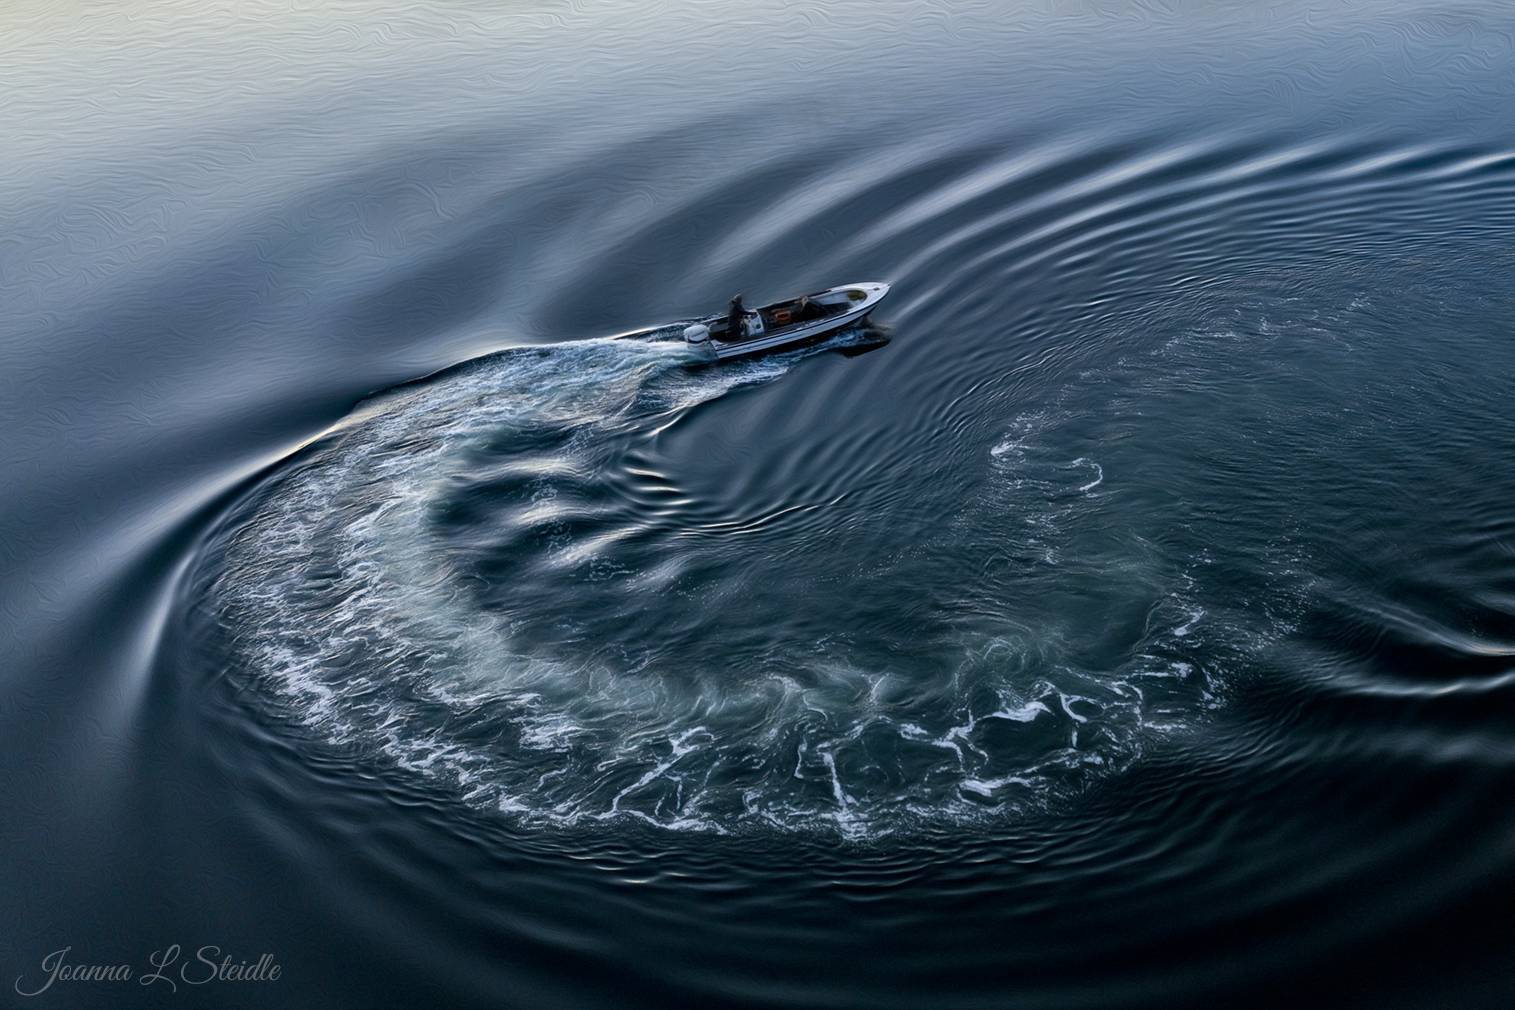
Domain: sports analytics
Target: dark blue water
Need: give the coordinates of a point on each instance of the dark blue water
(1135, 628)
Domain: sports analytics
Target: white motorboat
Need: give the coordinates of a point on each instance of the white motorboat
(783, 325)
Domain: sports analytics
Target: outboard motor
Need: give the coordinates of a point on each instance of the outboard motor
(698, 337)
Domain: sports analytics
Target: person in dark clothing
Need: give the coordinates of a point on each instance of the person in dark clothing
(808, 310)
(734, 319)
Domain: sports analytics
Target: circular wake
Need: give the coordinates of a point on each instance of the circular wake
(478, 579)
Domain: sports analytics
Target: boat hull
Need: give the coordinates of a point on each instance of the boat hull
(862, 299)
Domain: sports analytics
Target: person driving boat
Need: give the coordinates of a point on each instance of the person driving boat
(734, 317)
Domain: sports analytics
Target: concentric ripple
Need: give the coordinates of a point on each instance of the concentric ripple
(501, 578)
(1141, 619)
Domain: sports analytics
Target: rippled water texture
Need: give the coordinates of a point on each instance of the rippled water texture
(1126, 617)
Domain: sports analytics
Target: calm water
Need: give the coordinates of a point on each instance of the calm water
(1135, 628)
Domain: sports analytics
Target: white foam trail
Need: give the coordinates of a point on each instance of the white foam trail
(341, 596)
(1099, 473)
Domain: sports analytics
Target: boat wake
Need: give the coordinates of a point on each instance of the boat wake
(453, 584)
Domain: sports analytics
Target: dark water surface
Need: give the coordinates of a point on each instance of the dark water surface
(1135, 628)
